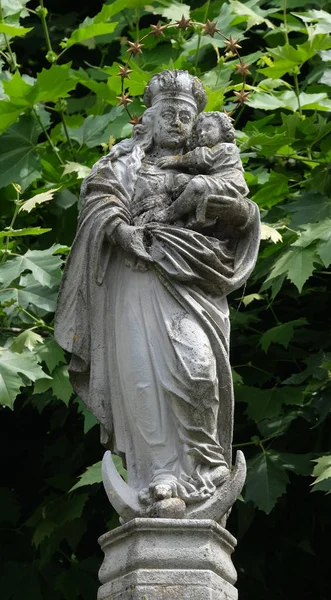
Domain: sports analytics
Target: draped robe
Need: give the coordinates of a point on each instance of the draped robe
(150, 348)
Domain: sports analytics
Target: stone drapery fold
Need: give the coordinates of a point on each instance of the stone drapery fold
(197, 270)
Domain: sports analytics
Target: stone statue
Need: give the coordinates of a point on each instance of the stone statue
(165, 233)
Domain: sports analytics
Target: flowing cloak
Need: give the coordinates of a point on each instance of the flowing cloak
(190, 274)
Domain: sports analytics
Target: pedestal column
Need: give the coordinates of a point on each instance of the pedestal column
(168, 559)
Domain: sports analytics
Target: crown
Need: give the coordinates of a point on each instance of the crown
(186, 87)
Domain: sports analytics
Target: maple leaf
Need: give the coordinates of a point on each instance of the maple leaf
(270, 233)
(265, 482)
(297, 264)
(12, 367)
(28, 205)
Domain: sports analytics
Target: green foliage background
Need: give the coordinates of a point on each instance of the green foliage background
(58, 115)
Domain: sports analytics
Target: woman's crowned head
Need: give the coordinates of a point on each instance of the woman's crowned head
(176, 85)
(173, 99)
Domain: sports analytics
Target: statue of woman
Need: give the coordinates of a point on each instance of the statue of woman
(143, 309)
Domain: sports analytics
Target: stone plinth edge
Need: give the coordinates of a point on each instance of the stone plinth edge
(168, 559)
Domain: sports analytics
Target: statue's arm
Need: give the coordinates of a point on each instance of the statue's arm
(131, 239)
(105, 200)
(232, 211)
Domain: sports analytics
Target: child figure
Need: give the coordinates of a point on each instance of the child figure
(216, 164)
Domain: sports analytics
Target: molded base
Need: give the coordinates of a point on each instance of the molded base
(168, 559)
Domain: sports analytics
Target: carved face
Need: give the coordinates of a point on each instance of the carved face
(172, 123)
(208, 132)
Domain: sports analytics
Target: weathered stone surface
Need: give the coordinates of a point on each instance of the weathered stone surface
(165, 233)
(126, 501)
(164, 559)
(168, 508)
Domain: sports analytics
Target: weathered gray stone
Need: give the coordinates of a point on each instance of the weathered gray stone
(165, 233)
(164, 559)
(126, 501)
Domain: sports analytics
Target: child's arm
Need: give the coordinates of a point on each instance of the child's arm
(199, 160)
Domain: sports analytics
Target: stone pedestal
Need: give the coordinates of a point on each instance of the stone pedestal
(168, 559)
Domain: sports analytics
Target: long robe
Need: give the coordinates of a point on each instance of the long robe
(150, 349)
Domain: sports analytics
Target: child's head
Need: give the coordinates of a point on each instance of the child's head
(211, 128)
